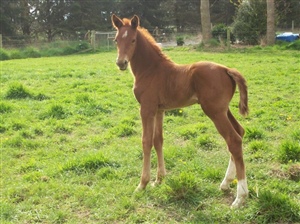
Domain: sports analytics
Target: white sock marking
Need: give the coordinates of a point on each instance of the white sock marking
(242, 188)
(242, 192)
(229, 176)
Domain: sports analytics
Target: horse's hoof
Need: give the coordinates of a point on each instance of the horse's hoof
(238, 202)
(156, 183)
(139, 188)
(225, 186)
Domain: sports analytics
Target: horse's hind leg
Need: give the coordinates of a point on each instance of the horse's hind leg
(231, 170)
(234, 143)
(239, 129)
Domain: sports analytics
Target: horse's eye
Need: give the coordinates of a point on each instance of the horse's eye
(133, 41)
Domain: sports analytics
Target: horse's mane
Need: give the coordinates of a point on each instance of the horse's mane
(145, 34)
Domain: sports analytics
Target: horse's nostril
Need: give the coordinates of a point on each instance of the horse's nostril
(122, 64)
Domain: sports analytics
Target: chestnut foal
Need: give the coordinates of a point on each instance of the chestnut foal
(160, 84)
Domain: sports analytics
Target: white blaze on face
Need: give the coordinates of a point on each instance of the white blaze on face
(125, 34)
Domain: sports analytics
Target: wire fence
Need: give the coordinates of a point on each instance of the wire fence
(100, 40)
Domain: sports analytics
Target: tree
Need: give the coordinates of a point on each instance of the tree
(270, 22)
(205, 20)
(21, 20)
(250, 23)
(86, 15)
(25, 19)
(186, 15)
(286, 12)
(7, 18)
(222, 11)
(51, 16)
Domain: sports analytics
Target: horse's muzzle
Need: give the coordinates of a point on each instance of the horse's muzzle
(122, 64)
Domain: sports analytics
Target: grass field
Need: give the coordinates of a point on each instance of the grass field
(71, 151)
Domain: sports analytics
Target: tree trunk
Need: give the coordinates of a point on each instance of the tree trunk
(25, 17)
(205, 20)
(270, 22)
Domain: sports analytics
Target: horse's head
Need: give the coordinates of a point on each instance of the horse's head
(125, 39)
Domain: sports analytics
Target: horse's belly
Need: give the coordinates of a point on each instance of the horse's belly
(178, 103)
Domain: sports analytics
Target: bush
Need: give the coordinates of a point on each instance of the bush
(3, 55)
(82, 46)
(180, 41)
(219, 31)
(250, 23)
(15, 54)
(213, 42)
(68, 50)
(31, 52)
(294, 45)
(52, 52)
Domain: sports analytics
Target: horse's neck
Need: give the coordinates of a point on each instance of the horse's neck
(145, 56)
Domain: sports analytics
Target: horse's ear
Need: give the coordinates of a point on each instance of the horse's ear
(116, 21)
(135, 21)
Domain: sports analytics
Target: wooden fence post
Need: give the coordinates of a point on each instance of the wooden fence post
(0, 41)
(93, 39)
(228, 38)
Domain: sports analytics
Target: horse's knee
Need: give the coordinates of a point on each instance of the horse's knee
(147, 144)
(158, 142)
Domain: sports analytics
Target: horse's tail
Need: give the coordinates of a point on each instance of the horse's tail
(241, 82)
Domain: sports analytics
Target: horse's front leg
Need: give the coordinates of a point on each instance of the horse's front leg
(158, 144)
(148, 122)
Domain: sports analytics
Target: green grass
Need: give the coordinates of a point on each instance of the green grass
(71, 149)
